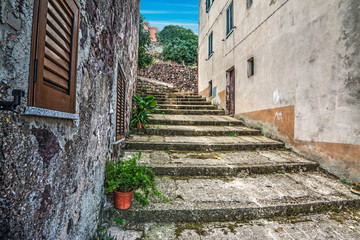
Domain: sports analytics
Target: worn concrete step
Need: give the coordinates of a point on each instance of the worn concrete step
(192, 106)
(187, 100)
(209, 199)
(189, 112)
(203, 143)
(195, 120)
(157, 96)
(325, 226)
(177, 102)
(188, 130)
(243, 163)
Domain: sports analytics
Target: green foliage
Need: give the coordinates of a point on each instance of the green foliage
(119, 221)
(144, 41)
(142, 110)
(344, 181)
(356, 186)
(143, 89)
(128, 175)
(232, 134)
(180, 44)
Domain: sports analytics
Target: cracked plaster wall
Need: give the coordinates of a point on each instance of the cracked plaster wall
(52, 170)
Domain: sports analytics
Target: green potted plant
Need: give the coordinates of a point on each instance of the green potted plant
(355, 188)
(143, 108)
(126, 177)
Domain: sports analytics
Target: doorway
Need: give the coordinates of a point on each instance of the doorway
(230, 91)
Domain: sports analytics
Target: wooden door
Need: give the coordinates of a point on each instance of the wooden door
(230, 92)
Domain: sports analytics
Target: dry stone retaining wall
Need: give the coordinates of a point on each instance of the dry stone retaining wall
(184, 78)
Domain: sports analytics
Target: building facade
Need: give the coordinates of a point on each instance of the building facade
(291, 67)
(76, 62)
(152, 31)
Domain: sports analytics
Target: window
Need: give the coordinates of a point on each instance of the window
(250, 67)
(210, 45)
(229, 18)
(208, 4)
(120, 105)
(249, 3)
(54, 55)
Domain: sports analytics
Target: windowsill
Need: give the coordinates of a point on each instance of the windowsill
(232, 30)
(210, 56)
(119, 141)
(41, 112)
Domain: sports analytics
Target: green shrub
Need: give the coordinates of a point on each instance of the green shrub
(128, 175)
(142, 110)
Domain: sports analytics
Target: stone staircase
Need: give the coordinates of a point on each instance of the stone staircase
(215, 169)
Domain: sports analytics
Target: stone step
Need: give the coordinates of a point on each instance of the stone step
(196, 120)
(193, 106)
(200, 143)
(325, 226)
(209, 199)
(176, 94)
(183, 100)
(243, 163)
(177, 102)
(189, 112)
(188, 130)
(157, 96)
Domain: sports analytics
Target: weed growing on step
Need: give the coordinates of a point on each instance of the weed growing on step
(163, 113)
(283, 172)
(119, 221)
(232, 134)
(344, 181)
(104, 236)
(143, 89)
(283, 149)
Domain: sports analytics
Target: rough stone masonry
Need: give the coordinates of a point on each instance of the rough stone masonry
(52, 170)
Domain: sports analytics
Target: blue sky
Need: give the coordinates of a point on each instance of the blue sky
(161, 13)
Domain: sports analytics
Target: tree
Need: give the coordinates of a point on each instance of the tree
(144, 41)
(180, 44)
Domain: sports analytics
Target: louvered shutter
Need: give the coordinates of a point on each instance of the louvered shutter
(120, 105)
(55, 55)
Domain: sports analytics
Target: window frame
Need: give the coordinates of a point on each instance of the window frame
(210, 44)
(249, 3)
(230, 19)
(208, 4)
(37, 97)
(250, 67)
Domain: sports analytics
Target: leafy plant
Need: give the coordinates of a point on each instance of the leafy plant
(142, 110)
(356, 186)
(128, 175)
(232, 134)
(143, 89)
(119, 221)
(345, 181)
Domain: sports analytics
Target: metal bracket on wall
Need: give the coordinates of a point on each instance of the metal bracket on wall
(11, 105)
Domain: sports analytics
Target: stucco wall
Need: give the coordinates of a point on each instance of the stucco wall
(306, 56)
(52, 170)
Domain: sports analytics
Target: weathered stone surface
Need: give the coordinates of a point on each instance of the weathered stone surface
(231, 198)
(188, 112)
(181, 130)
(200, 143)
(184, 78)
(344, 225)
(146, 86)
(52, 170)
(173, 163)
(210, 120)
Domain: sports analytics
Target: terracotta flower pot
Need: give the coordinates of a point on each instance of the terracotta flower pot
(123, 200)
(355, 191)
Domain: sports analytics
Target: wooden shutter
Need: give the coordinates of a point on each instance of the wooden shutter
(54, 55)
(120, 105)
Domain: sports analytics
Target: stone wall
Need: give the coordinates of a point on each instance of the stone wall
(184, 78)
(52, 170)
(153, 86)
